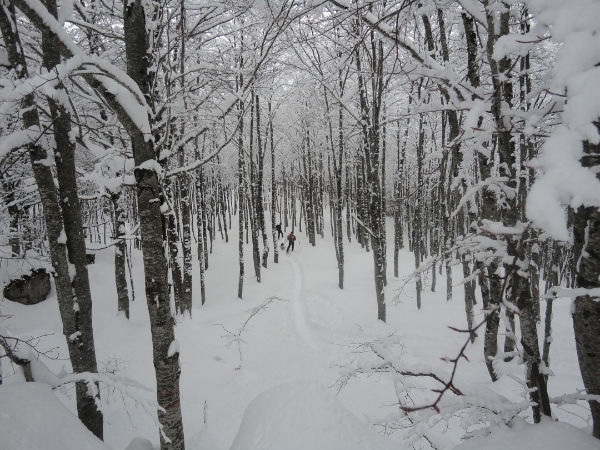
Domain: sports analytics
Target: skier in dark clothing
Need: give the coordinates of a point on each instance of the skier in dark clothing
(291, 238)
(279, 232)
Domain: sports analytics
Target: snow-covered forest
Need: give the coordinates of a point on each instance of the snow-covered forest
(300, 224)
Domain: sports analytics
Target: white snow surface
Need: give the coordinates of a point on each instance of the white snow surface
(33, 418)
(281, 371)
(173, 348)
(304, 415)
(543, 436)
(140, 444)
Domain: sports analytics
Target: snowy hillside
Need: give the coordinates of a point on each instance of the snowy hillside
(298, 363)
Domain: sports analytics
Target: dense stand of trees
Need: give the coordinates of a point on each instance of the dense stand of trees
(342, 114)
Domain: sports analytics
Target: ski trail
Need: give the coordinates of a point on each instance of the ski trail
(299, 307)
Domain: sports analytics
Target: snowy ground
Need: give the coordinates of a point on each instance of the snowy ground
(276, 381)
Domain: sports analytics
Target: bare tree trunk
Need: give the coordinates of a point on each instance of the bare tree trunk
(339, 199)
(285, 200)
(184, 182)
(337, 194)
(294, 210)
(120, 254)
(348, 204)
(260, 209)
(186, 243)
(398, 235)
(383, 199)
(417, 231)
(520, 291)
(372, 150)
(79, 338)
(14, 210)
(553, 279)
(200, 226)
(273, 188)
(320, 203)
(83, 359)
(174, 261)
(469, 297)
(309, 197)
(456, 161)
(586, 314)
(359, 201)
(162, 324)
(241, 180)
(253, 214)
(203, 213)
(491, 290)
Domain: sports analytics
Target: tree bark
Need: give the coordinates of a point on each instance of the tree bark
(372, 155)
(174, 260)
(309, 195)
(273, 188)
(241, 190)
(586, 315)
(519, 280)
(186, 242)
(166, 362)
(84, 359)
(201, 247)
(252, 212)
(260, 209)
(120, 254)
(79, 337)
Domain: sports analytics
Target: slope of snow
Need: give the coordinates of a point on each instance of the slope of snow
(303, 415)
(33, 418)
(307, 333)
(547, 435)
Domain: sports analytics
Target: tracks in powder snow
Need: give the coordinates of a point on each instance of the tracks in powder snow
(299, 307)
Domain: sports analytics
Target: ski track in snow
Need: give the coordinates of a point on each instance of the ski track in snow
(299, 308)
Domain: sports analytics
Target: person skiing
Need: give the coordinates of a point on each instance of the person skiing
(291, 238)
(279, 232)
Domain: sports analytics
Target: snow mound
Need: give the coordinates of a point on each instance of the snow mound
(304, 415)
(139, 443)
(33, 418)
(547, 435)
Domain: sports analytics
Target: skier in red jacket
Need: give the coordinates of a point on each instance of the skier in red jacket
(291, 238)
